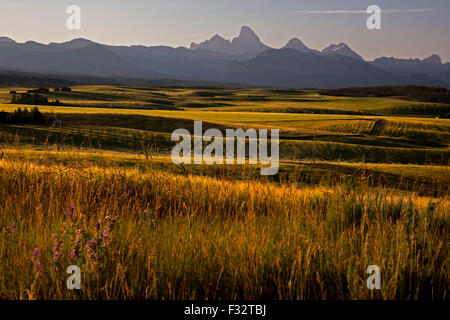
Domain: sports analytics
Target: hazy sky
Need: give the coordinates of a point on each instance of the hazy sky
(417, 28)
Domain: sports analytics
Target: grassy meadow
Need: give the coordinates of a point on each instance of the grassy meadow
(100, 191)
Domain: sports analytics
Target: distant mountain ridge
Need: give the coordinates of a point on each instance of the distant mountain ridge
(297, 44)
(342, 49)
(293, 68)
(431, 66)
(245, 59)
(6, 40)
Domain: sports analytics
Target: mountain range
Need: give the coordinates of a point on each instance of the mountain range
(244, 60)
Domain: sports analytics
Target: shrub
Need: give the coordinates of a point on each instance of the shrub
(33, 99)
(23, 116)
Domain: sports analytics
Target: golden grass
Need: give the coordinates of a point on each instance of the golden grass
(190, 237)
(250, 100)
(223, 232)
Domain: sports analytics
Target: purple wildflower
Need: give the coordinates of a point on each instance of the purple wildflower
(97, 226)
(70, 211)
(36, 262)
(91, 244)
(13, 228)
(91, 247)
(106, 234)
(56, 242)
(72, 254)
(56, 255)
(36, 253)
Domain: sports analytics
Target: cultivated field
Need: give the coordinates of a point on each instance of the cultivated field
(362, 181)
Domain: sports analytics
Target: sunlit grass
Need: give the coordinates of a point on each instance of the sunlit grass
(343, 199)
(188, 237)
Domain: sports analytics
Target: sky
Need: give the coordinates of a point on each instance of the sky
(410, 28)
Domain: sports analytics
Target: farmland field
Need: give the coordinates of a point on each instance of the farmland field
(95, 187)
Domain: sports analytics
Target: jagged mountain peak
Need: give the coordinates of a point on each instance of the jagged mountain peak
(217, 37)
(342, 45)
(297, 44)
(247, 35)
(337, 47)
(247, 32)
(216, 43)
(194, 46)
(343, 49)
(295, 41)
(6, 40)
(247, 42)
(433, 59)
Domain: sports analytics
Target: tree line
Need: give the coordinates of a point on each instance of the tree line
(23, 116)
(33, 99)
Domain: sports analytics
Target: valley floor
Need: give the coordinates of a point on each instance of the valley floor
(100, 191)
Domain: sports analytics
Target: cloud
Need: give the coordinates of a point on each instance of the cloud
(362, 11)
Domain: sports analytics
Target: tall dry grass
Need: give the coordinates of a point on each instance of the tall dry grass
(165, 236)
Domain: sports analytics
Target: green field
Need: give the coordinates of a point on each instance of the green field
(135, 121)
(244, 100)
(346, 196)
